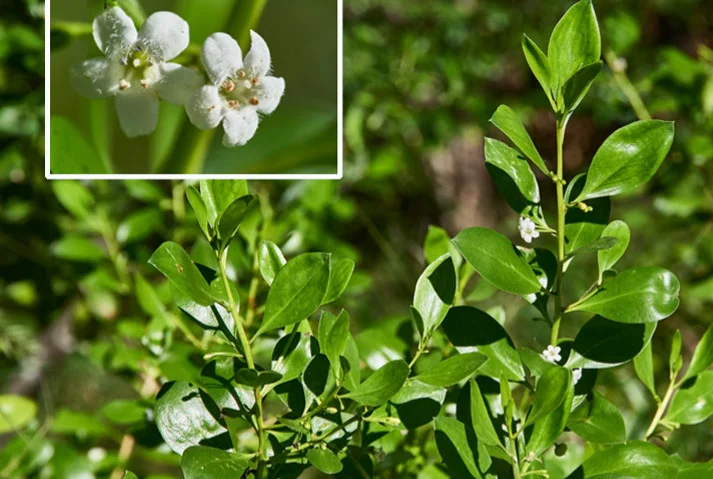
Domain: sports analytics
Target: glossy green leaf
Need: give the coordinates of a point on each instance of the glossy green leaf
(453, 446)
(297, 291)
(675, 359)
(173, 261)
(147, 296)
(634, 460)
(452, 370)
(467, 327)
(230, 219)
(598, 421)
(333, 336)
(602, 244)
(644, 367)
(139, 225)
(78, 248)
(292, 353)
(550, 392)
(510, 124)
(575, 42)
(605, 343)
(214, 316)
(318, 376)
(481, 421)
(693, 403)
(270, 260)
(495, 258)
(200, 462)
(339, 275)
(607, 258)
(550, 426)
(437, 244)
(199, 208)
(512, 175)
(702, 356)
(124, 411)
(628, 158)
(15, 412)
(577, 86)
(218, 195)
(582, 228)
(130, 475)
(638, 295)
(539, 65)
(434, 292)
(186, 416)
(324, 460)
(418, 403)
(382, 385)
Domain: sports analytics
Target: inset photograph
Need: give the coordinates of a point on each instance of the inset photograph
(167, 88)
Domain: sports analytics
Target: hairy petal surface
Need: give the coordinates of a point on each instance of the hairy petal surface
(270, 94)
(164, 36)
(258, 58)
(205, 108)
(240, 126)
(114, 32)
(222, 57)
(96, 78)
(178, 83)
(138, 112)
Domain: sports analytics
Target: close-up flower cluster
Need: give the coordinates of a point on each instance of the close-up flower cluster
(137, 71)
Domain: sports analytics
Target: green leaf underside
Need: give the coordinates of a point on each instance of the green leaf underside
(539, 65)
(550, 393)
(454, 448)
(608, 258)
(512, 176)
(324, 460)
(510, 124)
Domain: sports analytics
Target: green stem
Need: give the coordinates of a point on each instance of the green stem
(512, 449)
(561, 211)
(663, 405)
(629, 90)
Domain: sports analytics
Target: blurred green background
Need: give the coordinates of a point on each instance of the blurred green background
(422, 78)
(299, 137)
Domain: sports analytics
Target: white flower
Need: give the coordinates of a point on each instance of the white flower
(134, 68)
(240, 89)
(552, 354)
(576, 375)
(528, 229)
(96, 454)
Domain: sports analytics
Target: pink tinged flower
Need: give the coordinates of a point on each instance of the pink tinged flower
(552, 354)
(240, 91)
(135, 68)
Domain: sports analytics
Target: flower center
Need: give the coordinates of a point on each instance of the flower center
(241, 89)
(138, 70)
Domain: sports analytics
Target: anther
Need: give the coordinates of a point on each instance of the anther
(254, 101)
(255, 81)
(145, 83)
(228, 86)
(136, 62)
(123, 85)
(242, 74)
(234, 104)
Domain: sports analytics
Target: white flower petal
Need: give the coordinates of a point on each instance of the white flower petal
(222, 57)
(240, 126)
(271, 92)
(97, 77)
(205, 108)
(114, 32)
(258, 58)
(138, 112)
(178, 83)
(164, 36)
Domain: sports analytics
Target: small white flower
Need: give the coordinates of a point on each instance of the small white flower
(96, 454)
(576, 375)
(240, 89)
(134, 68)
(528, 230)
(552, 354)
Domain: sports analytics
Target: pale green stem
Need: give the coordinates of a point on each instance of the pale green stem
(561, 211)
(629, 90)
(663, 405)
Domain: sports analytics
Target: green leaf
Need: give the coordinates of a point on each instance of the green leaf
(15, 412)
(637, 295)
(702, 356)
(230, 219)
(693, 403)
(124, 411)
(481, 421)
(173, 261)
(70, 152)
(549, 427)
(74, 196)
(333, 336)
(602, 244)
(608, 258)
(78, 248)
(437, 244)
(435, 291)
(147, 296)
(215, 316)
(382, 385)
(628, 158)
(577, 87)
(575, 42)
(418, 403)
(139, 225)
(467, 327)
(130, 475)
(512, 175)
(453, 446)
(292, 353)
(186, 416)
(297, 291)
(539, 65)
(644, 366)
(604, 343)
(324, 460)
(582, 228)
(495, 258)
(510, 124)
(675, 359)
(318, 375)
(218, 195)
(339, 275)
(550, 392)
(199, 208)
(270, 260)
(598, 421)
(200, 462)
(634, 460)
(452, 370)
